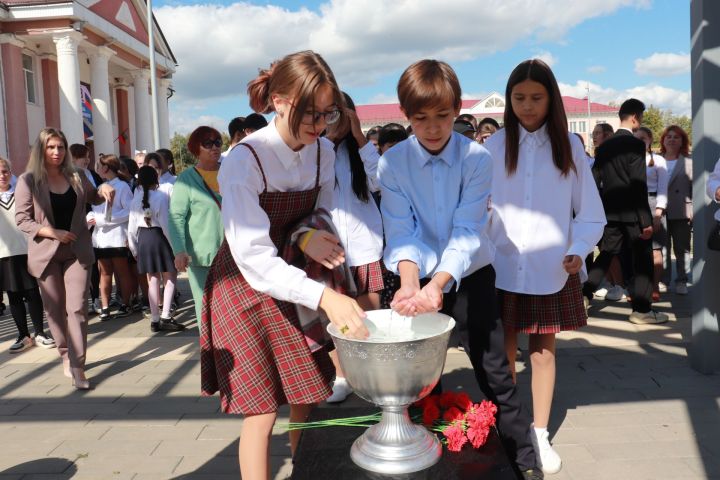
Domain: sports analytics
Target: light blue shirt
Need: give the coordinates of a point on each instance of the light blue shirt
(435, 207)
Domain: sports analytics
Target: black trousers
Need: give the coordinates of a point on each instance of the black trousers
(35, 306)
(619, 238)
(474, 307)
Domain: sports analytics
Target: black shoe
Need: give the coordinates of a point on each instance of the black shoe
(154, 327)
(533, 474)
(105, 314)
(170, 325)
(122, 311)
(2, 309)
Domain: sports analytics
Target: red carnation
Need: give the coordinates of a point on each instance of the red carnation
(478, 436)
(452, 414)
(455, 437)
(430, 413)
(462, 401)
(446, 400)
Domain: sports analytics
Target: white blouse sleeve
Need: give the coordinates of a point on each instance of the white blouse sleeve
(587, 226)
(370, 157)
(247, 229)
(163, 212)
(663, 179)
(133, 223)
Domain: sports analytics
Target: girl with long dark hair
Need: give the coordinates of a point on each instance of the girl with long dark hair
(547, 217)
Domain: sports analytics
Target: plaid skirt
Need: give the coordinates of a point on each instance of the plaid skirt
(543, 314)
(252, 348)
(369, 277)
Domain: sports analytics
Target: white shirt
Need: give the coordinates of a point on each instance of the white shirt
(670, 165)
(159, 207)
(532, 219)
(358, 223)
(168, 177)
(657, 179)
(247, 225)
(113, 233)
(713, 183)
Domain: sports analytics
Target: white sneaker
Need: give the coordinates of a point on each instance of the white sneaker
(615, 293)
(341, 390)
(662, 288)
(547, 458)
(648, 318)
(601, 292)
(21, 344)
(681, 288)
(44, 342)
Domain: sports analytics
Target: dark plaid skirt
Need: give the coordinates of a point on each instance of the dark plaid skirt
(252, 348)
(542, 314)
(369, 277)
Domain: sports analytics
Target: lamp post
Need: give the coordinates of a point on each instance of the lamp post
(588, 131)
(153, 76)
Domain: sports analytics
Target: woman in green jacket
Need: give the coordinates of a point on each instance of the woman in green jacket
(195, 224)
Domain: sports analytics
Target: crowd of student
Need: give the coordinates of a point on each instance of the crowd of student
(307, 214)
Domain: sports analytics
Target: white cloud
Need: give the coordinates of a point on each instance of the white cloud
(652, 94)
(596, 69)
(663, 64)
(546, 57)
(381, 98)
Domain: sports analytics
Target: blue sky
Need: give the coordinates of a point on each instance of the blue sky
(369, 43)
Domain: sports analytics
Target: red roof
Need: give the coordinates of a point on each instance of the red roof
(387, 112)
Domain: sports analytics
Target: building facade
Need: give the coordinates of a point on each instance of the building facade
(81, 66)
(582, 117)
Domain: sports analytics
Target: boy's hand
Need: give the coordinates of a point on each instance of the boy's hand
(403, 302)
(572, 264)
(429, 299)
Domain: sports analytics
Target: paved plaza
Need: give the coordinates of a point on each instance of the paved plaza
(627, 405)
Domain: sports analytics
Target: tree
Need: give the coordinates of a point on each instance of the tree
(183, 157)
(653, 119)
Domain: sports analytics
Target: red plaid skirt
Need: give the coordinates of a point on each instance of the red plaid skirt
(542, 314)
(369, 277)
(252, 348)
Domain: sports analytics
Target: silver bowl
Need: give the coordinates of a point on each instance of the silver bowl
(400, 363)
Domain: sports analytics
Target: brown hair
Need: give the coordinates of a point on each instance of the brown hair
(78, 150)
(113, 163)
(299, 75)
(427, 84)
(556, 121)
(36, 163)
(650, 135)
(199, 135)
(684, 148)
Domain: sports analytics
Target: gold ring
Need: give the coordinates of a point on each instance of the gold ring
(344, 329)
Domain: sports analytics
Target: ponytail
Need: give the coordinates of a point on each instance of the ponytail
(258, 90)
(148, 180)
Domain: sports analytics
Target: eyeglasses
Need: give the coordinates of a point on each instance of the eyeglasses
(311, 118)
(211, 143)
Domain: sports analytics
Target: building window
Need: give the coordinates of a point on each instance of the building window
(29, 71)
(573, 127)
(582, 127)
(494, 102)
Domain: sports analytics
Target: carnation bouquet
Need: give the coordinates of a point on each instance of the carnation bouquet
(453, 415)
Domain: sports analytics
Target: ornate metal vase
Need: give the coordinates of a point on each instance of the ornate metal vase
(399, 364)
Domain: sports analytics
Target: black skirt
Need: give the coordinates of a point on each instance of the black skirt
(14, 276)
(154, 253)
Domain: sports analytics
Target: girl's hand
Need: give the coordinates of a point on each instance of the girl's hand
(324, 248)
(355, 127)
(63, 236)
(429, 299)
(107, 192)
(344, 313)
(403, 302)
(572, 264)
(182, 260)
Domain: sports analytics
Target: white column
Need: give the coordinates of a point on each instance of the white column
(100, 90)
(163, 113)
(71, 120)
(143, 125)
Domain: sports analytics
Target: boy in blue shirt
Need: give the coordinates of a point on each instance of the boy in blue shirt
(435, 199)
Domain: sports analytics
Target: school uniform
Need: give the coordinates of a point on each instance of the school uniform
(358, 223)
(657, 184)
(252, 348)
(539, 216)
(167, 177)
(435, 214)
(110, 237)
(149, 243)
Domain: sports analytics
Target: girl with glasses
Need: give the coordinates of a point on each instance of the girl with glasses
(252, 348)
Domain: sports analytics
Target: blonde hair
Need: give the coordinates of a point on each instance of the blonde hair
(36, 163)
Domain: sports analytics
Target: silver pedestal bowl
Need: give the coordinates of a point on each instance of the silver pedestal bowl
(400, 363)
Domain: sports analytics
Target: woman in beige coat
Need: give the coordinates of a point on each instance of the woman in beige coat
(50, 209)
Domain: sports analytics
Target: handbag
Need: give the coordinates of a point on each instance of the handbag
(713, 242)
